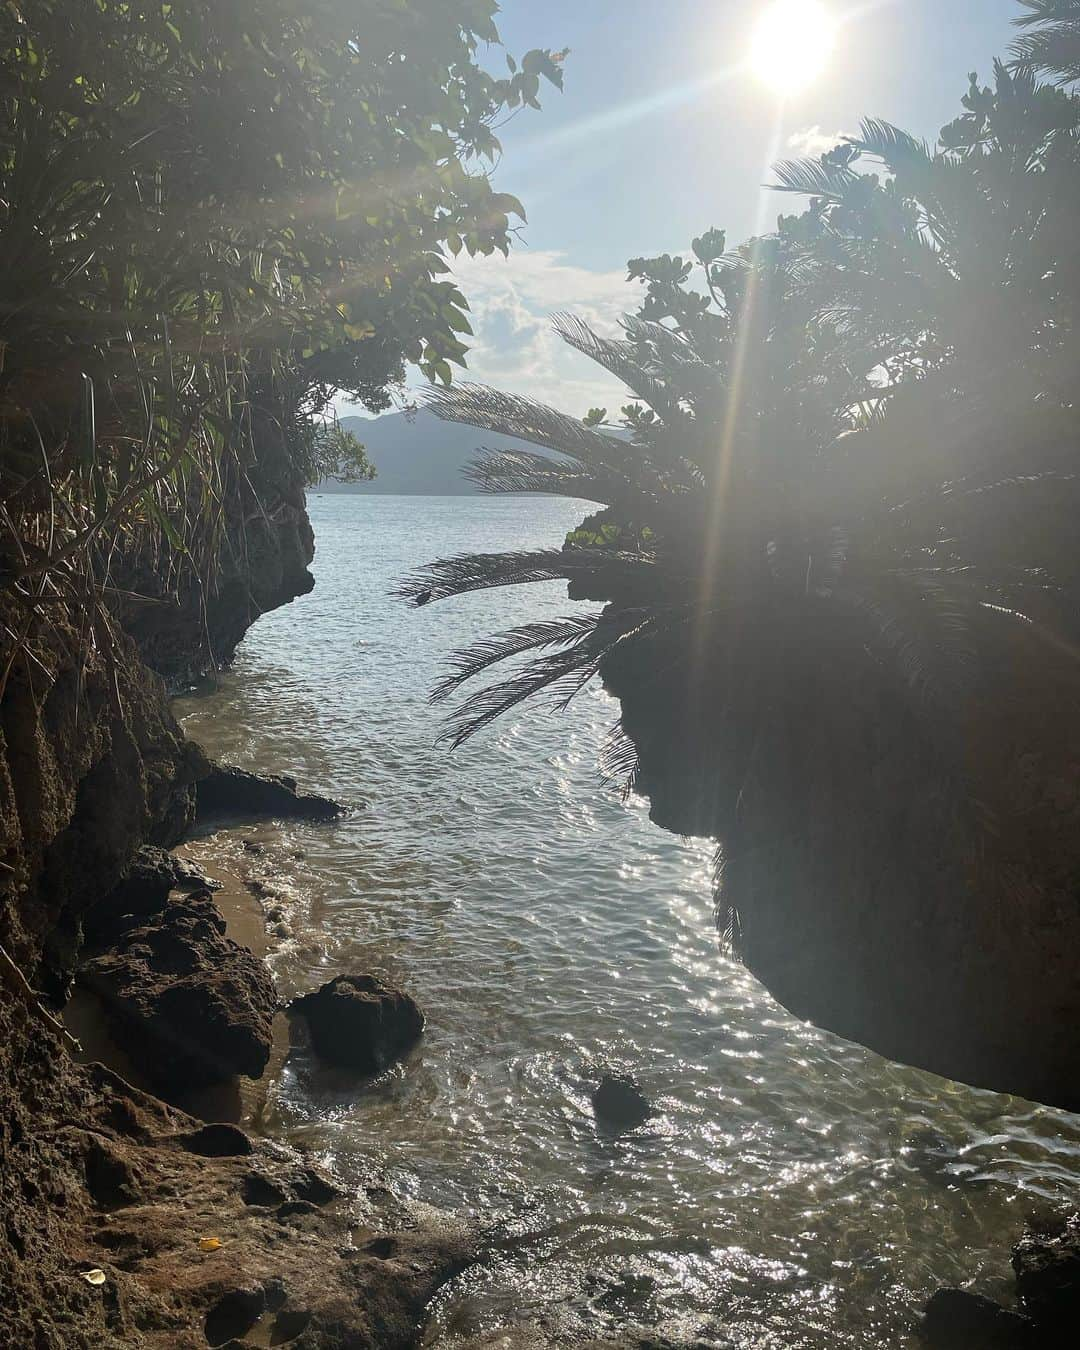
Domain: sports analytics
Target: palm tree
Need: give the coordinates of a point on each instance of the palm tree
(854, 449)
(1053, 44)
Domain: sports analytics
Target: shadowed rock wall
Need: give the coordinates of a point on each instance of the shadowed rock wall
(908, 880)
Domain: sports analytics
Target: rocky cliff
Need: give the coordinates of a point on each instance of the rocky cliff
(122, 1221)
(907, 878)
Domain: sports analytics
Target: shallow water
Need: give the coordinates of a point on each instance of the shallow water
(793, 1191)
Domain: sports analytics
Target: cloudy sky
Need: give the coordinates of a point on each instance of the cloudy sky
(663, 132)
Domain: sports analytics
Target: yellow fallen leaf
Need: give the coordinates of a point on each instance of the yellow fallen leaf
(94, 1276)
(209, 1244)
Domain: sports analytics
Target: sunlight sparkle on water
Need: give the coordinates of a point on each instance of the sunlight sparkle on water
(792, 44)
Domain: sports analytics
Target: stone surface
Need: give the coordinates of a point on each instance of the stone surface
(359, 1022)
(227, 793)
(121, 1191)
(190, 1006)
(958, 1320)
(1047, 1265)
(912, 892)
(145, 889)
(619, 1103)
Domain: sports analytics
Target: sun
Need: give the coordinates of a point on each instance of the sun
(792, 44)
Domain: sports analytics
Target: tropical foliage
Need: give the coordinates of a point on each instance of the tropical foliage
(853, 442)
(212, 217)
(1052, 43)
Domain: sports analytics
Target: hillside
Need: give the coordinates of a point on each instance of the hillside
(417, 454)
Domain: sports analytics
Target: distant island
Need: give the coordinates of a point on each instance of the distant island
(418, 454)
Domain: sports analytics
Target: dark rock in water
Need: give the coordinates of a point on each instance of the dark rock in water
(235, 794)
(359, 1022)
(619, 1103)
(1047, 1265)
(145, 890)
(190, 1006)
(958, 1320)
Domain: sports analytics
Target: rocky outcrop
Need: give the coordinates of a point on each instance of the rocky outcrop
(360, 1023)
(224, 793)
(144, 890)
(95, 1176)
(958, 1320)
(119, 1183)
(1046, 1262)
(906, 878)
(1047, 1265)
(188, 1005)
(263, 562)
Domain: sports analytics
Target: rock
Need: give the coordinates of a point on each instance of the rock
(110, 1180)
(190, 1006)
(144, 891)
(294, 1208)
(619, 1103)
(1047, 1265)
(261, 1190)
(235, 794)
(958, 1320)
(219, 1140)
(359, 1022)
(234, 1315)
(312, 1186)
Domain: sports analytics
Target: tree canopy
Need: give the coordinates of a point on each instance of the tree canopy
(856, 436)
(207, 209)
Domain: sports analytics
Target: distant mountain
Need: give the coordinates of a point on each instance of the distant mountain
(416, 453)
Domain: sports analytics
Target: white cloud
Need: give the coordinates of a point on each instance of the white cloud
(812, 141)
(513, 301)
(514, 348)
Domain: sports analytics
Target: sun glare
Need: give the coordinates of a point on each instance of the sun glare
(792, 44)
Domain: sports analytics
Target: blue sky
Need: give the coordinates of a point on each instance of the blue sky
(661, 133)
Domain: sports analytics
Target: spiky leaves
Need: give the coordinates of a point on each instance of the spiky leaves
(1052, 43)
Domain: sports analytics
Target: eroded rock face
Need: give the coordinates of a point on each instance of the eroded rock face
(359, 1022)
(190, 1006)
(145, 890)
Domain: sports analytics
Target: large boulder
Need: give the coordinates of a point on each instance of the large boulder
(359, 1022)
(1047, 1265)
(190, 1006)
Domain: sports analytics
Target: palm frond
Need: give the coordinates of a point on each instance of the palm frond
(503, 471)
(619, 760)
(1054, 45)
(815, 178)
(483, 571)
(524, 419)
(551, 674)
(621, 359)
(894, 147)
(919, 625)
(470, 662)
